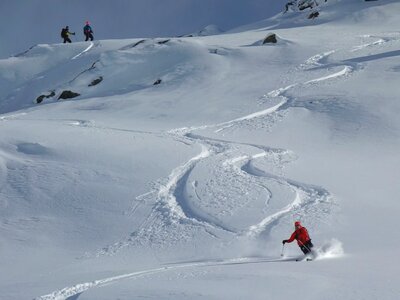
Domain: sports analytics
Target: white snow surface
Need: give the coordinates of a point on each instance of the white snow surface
(186, 189)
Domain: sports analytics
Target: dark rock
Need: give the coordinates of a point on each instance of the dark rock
(138, 43)
(96, 81)
(158, 81)
(313, 15)
(42, 97)
(163, 42)
(25, 52)
(306, 4)
(288, 4)
(132, 45)
(271, 38)
(68, 95)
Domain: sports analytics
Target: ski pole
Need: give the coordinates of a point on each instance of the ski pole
(283, 248)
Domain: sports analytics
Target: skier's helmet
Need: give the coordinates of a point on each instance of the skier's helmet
(297, 224)
(87, 23)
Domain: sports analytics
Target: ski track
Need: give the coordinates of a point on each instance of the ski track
(174, 210)
(84, 51)
(306, 196)
(166, 195)
(316, 60)
(284, 102)
(171, 205)
(380, 41)
(77, 289)
(178, 209)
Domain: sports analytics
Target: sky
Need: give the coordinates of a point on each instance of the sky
(24, 23)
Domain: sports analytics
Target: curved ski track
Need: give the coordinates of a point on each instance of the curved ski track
(84, 51)
(178, 210)
(68, 292)
(173, 208)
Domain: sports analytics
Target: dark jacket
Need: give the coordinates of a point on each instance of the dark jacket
(65, 33)
(87, 29)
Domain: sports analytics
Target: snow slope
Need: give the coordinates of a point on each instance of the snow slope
(186, 189)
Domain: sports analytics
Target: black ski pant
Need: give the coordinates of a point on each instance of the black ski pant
(306, 248)
(89, 36)
(67, 40)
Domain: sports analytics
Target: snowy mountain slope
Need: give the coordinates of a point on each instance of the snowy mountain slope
(186, 189)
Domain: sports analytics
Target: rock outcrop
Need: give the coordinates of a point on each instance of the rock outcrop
(270, 39)
(42, 97)
(301, 5)
(96, 81)
(68, 95)
(313, 15)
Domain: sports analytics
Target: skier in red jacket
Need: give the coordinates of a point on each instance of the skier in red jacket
(303, 239)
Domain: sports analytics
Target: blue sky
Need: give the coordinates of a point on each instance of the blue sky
(27, 22)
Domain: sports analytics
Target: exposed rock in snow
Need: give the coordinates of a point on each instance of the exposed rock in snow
(304, 4)
(313, 15)
(163, 42)
(158, 81)
(68, 95)
(96, 81)
(42, 97)
(270, 38)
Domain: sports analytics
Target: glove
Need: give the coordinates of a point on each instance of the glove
(284, 242)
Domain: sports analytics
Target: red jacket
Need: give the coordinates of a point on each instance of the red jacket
(301, 235)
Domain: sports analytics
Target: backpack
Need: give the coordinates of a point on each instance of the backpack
(64, 33)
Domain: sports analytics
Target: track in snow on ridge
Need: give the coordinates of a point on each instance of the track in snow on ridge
(91, 45)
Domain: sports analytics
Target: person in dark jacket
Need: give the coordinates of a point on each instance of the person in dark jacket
(65, 33)
(303, 239)
(88, 32)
